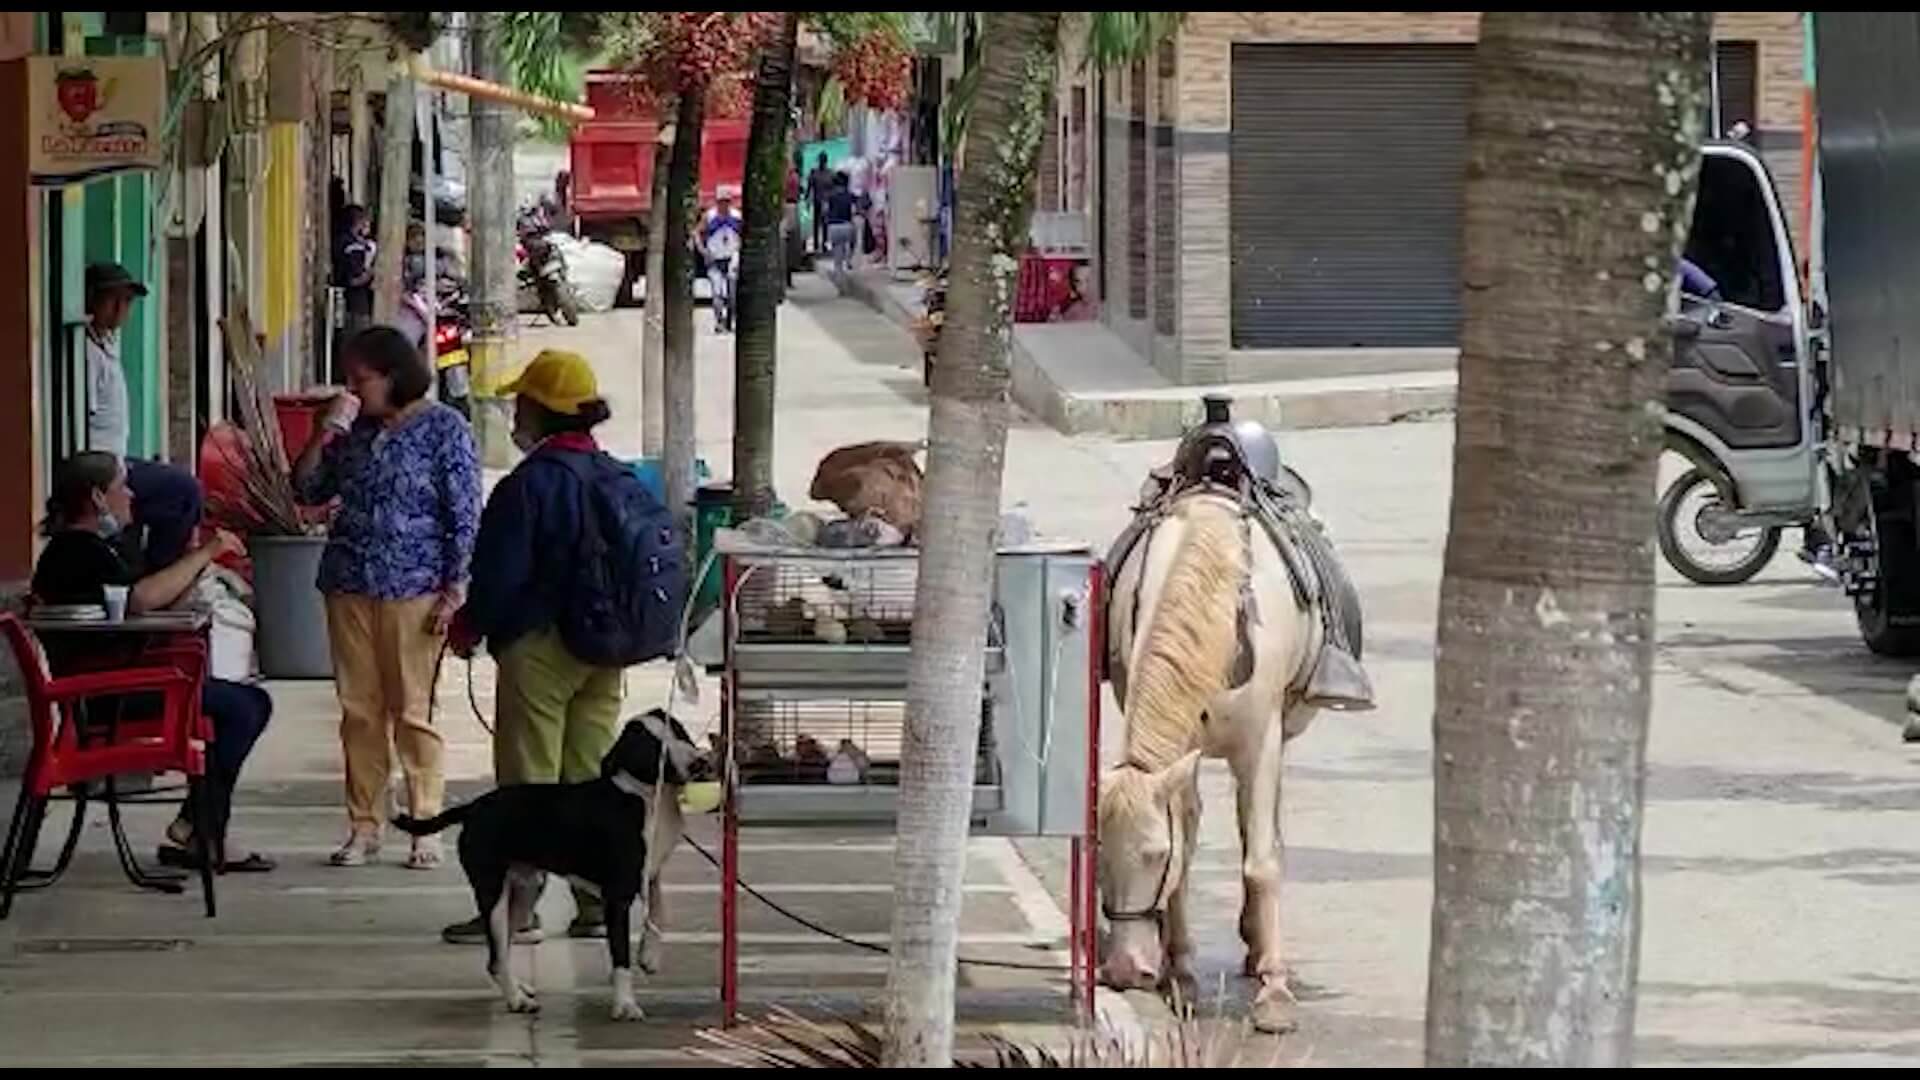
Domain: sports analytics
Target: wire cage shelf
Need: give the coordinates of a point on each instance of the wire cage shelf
(843, 743)
(814, 705)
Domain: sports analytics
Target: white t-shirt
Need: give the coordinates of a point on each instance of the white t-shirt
(108, 422)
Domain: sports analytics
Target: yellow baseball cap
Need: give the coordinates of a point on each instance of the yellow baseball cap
(558, 380)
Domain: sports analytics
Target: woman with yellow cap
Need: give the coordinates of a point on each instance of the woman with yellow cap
(555, 716)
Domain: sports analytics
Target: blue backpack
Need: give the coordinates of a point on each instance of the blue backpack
(630, 574)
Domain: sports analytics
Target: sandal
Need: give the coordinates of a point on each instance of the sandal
(427, 854)
(359, 850)
(187, 859)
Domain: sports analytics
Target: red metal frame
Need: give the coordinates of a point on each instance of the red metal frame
(1083, 889)
(729, 811)
(1085, 920)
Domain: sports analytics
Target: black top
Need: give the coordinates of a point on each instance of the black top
(819, 184)
(840, 207)
(74, 568)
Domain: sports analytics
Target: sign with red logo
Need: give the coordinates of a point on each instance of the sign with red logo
(93, 116)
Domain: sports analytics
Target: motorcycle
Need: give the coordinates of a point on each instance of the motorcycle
(452, 360)
(447, 344)
(542, 277)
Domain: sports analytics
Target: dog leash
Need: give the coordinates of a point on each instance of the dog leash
(856, 943)
(473, 702)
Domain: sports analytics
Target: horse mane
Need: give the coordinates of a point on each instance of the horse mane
(1187, 650)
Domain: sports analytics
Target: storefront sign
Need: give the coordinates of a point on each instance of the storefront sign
(93, 116)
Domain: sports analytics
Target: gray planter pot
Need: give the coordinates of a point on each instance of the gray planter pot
(290, 615)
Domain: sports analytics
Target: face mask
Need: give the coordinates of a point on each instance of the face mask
(109, 524)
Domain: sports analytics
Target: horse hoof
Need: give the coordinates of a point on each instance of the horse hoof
(1273, 1014)
(1181, 991)
(1274, 1009)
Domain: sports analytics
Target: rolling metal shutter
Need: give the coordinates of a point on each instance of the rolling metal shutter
(1348, 164)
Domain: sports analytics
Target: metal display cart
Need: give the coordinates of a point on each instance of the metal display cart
(814, 700)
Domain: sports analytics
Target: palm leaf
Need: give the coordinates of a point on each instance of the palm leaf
(1117, 38)
(541, 54)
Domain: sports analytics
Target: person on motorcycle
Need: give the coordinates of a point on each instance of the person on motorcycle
(720, 232)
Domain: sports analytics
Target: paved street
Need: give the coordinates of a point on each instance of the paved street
(1782, 839)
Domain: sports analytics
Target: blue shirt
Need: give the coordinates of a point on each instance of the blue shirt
(409, 506)
(1697, 282)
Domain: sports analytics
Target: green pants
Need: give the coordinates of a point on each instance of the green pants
(554, 719)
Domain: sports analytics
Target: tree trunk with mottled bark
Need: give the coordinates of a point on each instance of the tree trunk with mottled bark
(653, 333)
(965, 460)
(396, 170)
(494, 297)
(683, 195)
(1583, 159)
(756, 326)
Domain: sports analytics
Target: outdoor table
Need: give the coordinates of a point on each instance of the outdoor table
(134, 636)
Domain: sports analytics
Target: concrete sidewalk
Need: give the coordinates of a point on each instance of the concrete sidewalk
(313, 965)
(1082, 379)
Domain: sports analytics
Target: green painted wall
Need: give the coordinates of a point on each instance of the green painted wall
(113, 221)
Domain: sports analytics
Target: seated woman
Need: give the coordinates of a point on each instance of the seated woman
(89, 505)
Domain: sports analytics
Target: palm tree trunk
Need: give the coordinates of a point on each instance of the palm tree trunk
(682, 201)
(653, 333)
(1582, 164)
(965, 459)
(761, 273)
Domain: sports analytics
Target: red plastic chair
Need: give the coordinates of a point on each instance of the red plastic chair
(73, 751)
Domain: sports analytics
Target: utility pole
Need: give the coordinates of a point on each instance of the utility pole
(396, 178)
(490, 202)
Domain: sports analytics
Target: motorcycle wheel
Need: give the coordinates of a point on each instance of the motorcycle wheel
(1750, 552)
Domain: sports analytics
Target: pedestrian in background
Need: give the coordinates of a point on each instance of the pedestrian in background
(839, 210)
(819, 186)
(407, 474)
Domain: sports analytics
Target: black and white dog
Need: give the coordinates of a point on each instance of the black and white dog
(609, 835)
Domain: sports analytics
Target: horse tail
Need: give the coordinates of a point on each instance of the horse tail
(1187, 650)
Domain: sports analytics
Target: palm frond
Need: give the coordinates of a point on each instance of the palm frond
(1117, 38)
(786, 1039)
(830, 107)
(540, 52)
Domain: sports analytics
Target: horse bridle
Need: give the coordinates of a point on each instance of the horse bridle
(1156, 910)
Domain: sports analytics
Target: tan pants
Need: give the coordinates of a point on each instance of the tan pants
(383, 666)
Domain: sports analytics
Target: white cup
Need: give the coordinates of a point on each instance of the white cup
(341, 413)
(116, 602)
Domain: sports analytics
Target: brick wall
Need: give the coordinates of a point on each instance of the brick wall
(1201, 105)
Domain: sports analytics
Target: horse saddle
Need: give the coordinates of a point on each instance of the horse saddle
(1336, 680)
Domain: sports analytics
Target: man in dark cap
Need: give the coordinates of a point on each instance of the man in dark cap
(166, 499)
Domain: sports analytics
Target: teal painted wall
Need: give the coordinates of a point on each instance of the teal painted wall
(113, 221)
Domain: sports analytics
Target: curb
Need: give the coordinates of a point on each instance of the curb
(1362, 401)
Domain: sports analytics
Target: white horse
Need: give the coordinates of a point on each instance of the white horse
(1206, 642)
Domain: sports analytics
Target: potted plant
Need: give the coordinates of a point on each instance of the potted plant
(284, 539)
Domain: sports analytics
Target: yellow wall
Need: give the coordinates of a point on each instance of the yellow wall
(284, 212)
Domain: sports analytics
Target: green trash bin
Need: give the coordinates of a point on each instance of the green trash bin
(712, 511)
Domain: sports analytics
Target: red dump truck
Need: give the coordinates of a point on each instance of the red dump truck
(612, 167)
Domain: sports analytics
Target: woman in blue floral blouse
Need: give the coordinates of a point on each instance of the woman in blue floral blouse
(407, 476)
